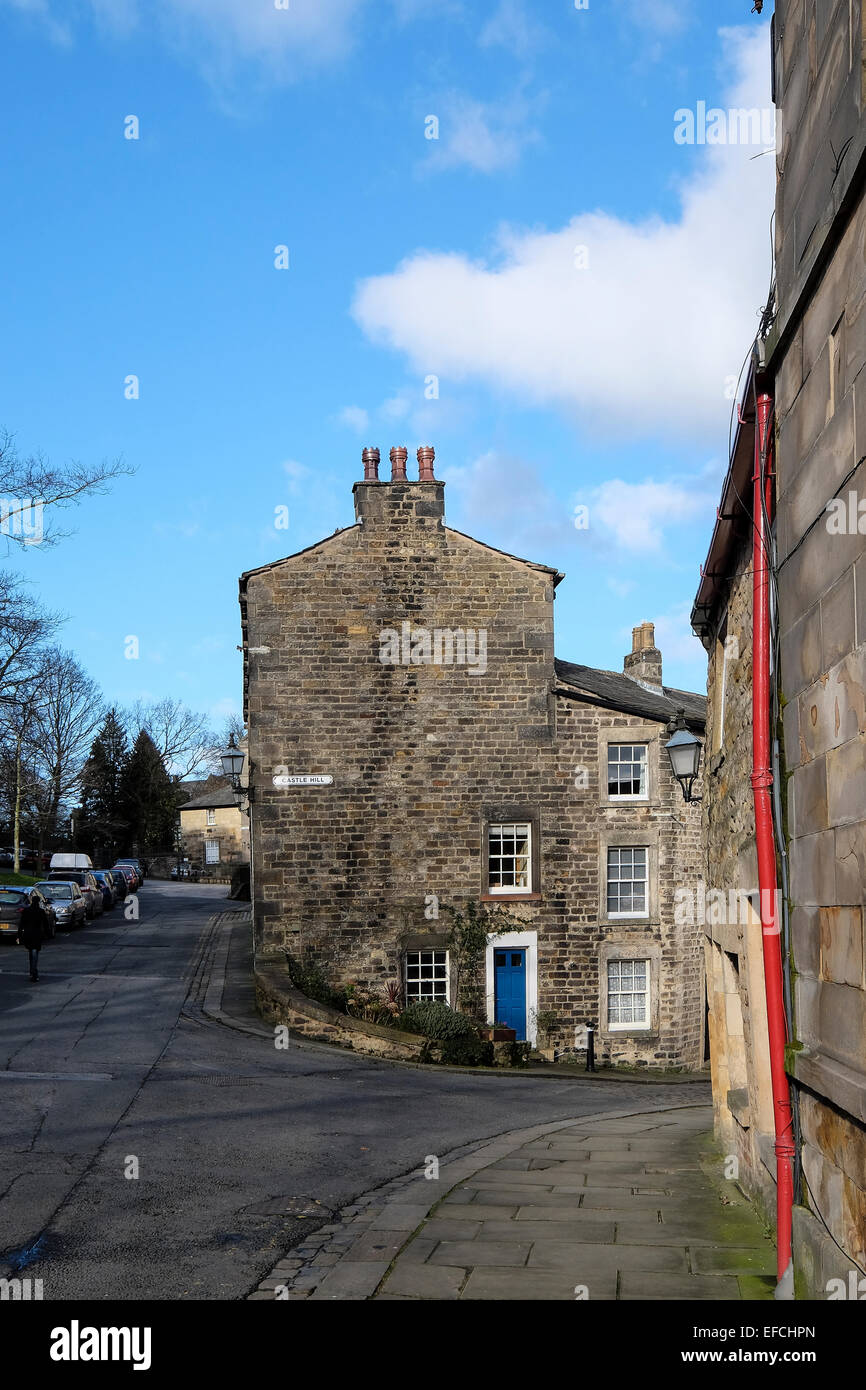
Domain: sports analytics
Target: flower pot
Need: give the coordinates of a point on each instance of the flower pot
(499, 1034)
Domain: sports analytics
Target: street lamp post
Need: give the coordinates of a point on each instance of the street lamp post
(684, 751)
(232, 759)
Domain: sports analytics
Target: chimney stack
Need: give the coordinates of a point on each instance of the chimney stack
(426, 455)
(399, 455)
(370, 458)
(644, 661)
(382, 506)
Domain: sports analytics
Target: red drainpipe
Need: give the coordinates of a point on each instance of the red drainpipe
(762, 780)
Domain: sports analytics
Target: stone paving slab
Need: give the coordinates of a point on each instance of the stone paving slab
(585, 1260)
(628, 1206)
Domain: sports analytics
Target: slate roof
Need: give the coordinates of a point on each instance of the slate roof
(222, 796)
(617, 691)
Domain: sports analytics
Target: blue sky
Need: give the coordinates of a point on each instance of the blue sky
(598, 376)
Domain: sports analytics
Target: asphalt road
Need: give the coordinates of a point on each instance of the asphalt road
(109, 1068)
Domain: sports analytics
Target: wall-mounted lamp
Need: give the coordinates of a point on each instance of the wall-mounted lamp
(684, 751)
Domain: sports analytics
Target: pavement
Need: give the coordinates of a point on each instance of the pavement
(629, 1206)
(141, 1042)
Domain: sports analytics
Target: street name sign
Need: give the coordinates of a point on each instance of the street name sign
(307, 779)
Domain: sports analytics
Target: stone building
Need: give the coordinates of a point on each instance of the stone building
(737, 1013)
(414, 744)
(215, 832)
(810, 362)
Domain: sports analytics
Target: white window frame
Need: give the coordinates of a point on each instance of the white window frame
(629, 796)
(510, 889)
(619, 849)
(209, 846)
(444, 965)
(211, 817)
(633, 1026)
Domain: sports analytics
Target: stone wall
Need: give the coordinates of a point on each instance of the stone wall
(739, 1051)
(817, 354)
(423, 755)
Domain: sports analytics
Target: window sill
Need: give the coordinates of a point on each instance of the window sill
(511, 897)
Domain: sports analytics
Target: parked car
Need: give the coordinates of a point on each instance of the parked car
(68, 901)
(129, 875)
(88, 885)
(118, 883)
(27, 858)
(105, 879)
(13, 901)
(137, 865)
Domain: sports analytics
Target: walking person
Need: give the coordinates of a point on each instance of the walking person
(33, 929)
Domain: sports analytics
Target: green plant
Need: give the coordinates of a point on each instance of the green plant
(518, 1054)
(466, 940)
(467, 1051)
(310, 980)
(373, 1005)
(434, 1019)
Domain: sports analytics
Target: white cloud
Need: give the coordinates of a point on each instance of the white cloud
(58, 31)
(679, 647)
(504, 500)
(224, 708)
(355, 418)
(512, 28)
(484, 136)
(639, 342)
(621, 587)
(662, 17)
(219, 32)
(295, 472)
(636, 514)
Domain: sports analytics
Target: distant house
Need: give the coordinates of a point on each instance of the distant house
(215, 832)
(415, 745)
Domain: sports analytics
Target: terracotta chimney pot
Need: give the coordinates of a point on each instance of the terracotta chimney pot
(426, 455)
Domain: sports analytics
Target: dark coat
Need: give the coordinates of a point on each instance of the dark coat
(33, 928)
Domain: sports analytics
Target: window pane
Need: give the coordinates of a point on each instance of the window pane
(626, 880)
(509, 859)
(426, 975)
(627, 993)
(627, 769)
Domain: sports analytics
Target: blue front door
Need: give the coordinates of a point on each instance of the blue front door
(509, 983)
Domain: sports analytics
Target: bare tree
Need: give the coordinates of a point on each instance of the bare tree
(182, 737)
(31, 482)
(68, 711)
(233, 728)
(24, 627)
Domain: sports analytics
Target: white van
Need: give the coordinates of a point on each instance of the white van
(68, 860)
